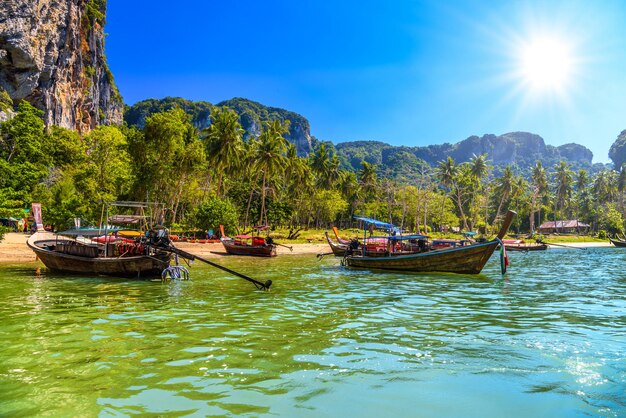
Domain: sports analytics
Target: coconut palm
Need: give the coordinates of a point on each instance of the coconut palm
(445, 172)
(504, 188)
(564, 181)
(539, 187)
(224, 143)
(269, 149)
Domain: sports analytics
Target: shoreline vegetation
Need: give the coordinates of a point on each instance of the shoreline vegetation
(196, 180)
(13, 249)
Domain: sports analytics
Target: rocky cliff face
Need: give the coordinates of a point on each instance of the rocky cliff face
(52, 54)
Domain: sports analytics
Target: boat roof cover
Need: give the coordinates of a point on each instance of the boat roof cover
(376, 223)
(85, 232)
(126, 219)
(405, 237)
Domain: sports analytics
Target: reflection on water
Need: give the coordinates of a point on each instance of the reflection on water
(546, 340)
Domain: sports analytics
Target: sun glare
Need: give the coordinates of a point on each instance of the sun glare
(546, 64)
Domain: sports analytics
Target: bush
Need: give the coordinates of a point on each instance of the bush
(216, 212)
(3, 230)
(602, 234)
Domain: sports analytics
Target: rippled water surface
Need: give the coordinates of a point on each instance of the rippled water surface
(547, 340)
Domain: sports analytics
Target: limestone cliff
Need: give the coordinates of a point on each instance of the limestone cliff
(52, 54)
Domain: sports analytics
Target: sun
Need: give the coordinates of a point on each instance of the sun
(546, 63)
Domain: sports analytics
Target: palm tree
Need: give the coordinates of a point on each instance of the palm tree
(564, 182)
(445, 172)
(504, 187)
(326, 167)
(269, 149)
(368, 179)
(539, 187)
(479, 169)
(224, 143)
(621, 186)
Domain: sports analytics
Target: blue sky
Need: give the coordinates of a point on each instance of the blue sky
(403, 72)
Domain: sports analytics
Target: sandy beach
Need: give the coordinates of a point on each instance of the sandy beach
(13, 249)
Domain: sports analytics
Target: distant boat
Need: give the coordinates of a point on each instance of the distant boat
(520, 245)
(467, 259)
(248, 245)
(618, 242)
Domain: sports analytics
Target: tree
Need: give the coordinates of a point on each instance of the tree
(268, 150)
(368, 180)
(215, 212)
(504, 188)
(224, 143)
(539, 185)
(564, 182)
(166, 157)
(108, 169)
(22, 138)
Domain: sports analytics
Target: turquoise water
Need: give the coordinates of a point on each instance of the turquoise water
(547, 340)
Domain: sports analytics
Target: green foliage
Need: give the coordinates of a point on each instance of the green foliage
(329, 204)
(602, 234)
(3, 230)
(137, 114)
(216, 212)
(96, 11)
(23, 138)
(6, 103)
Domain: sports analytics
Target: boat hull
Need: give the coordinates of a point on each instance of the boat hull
(526, 247)
(250, 250)
(134, 266)
(463, 260)
(338, 249)
(618, 243)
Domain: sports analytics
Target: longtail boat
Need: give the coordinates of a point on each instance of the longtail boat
(469, 259)
(618, 242)
(520, 245)
(101, 251)
(74, 256)
(338, 249)
(248, 245)
(339, 239)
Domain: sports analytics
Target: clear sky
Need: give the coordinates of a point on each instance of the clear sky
(403, 72)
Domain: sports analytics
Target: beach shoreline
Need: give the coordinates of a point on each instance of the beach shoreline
(13, 248)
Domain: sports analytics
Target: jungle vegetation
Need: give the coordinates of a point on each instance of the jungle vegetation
(216, 175)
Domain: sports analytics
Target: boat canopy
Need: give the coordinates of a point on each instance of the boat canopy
(85, 232)
(126, 219)
(376, 223)
(406, 237)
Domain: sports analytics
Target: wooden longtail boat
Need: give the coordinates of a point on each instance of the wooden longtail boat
(524, 246)
(70, 256)
(248, 245)
(339, 239)
(376, 249)
(618, 242)
(468, 259)
(338, 249)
